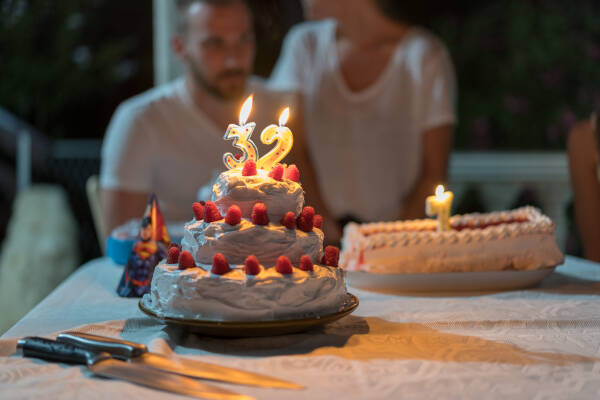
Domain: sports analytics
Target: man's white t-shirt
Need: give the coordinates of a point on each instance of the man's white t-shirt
(366, 146)
(161, 142)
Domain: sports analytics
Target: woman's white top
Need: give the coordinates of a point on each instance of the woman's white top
(366, 146)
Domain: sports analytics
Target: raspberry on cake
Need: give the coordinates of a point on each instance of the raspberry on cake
(186, 260)
(292, 173)
(305, 220)
(234, 215)
(306, 263)
(289, 220)
(211, 212)
(277, 172)
(259, 214)
(284, 266)
(198, 210)
(251, 266)
(173, 255)
(220, 265)
(249, 168)
(331, 256)
(318, 221)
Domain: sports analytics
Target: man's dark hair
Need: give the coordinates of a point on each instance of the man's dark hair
(184, 5)
(412, 11)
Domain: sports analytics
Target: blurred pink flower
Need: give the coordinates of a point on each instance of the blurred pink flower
(552, 78)
(516, 104)
(481, 131)
(593, 51)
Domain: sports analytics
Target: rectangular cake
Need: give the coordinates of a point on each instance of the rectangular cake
(521, 239)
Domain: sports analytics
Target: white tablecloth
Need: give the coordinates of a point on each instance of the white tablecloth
(539, 343)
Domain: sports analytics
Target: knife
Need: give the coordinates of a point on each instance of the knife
(104, 365)
(138, 354)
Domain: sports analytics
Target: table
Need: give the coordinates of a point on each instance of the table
(540, 343)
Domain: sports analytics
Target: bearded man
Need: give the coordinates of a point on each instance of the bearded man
(169, 140)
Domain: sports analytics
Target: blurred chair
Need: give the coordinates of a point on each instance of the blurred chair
(92, 188)
(40, 250)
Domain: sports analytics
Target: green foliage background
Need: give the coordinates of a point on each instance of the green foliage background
(66, 64)
(527, 70)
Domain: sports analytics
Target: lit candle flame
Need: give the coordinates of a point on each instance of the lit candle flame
(439, 191)
(245, 111)
(283, 117)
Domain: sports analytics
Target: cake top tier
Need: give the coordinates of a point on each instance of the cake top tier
(525, 220)
(276, 189)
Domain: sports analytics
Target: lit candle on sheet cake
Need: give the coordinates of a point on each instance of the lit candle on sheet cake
(280, 133)
(440, 204)
(240, 134)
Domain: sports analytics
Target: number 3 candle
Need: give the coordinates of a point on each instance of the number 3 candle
(283, 136)
(241, 138)
(440, 204)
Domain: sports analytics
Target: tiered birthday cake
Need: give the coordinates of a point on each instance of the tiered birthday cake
(521, 239)
(253, 253)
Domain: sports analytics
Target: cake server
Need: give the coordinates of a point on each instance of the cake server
(103, 364)
(138, 353)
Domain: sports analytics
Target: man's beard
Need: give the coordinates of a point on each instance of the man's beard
(235, 93)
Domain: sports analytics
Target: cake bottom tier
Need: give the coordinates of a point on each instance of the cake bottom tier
(235, 296)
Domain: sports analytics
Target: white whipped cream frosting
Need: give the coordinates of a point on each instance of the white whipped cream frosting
(267, 242)
(244, 191)
(235, 296)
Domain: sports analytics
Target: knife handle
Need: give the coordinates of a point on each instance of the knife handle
(116, 347)
(52, 350)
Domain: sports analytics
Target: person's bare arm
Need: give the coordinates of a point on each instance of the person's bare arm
(299, 155)
(437, 143)
(119, 206)
(586, 189)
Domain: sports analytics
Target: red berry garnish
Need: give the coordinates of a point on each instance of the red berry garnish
(234, 215)
(173, 256)
(305, 220)
(173, 244)
(211, 212)
(259, 214)
(331, 256)
(277, 172)
(237, 156)
(292, 173)
(249, 168)
(306, 263)
(186, 260)
(198, 210)
(252, 267)
(220, 265)
(289, 220)
(318, 221)
(284, 266)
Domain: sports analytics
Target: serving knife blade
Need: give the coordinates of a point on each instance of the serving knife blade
(103, 364)
(138, 353)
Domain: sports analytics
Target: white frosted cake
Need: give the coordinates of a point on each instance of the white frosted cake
(253, 253)
(521, 239)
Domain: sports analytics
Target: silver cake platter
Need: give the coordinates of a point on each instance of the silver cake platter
(477, 281)
(252, 328)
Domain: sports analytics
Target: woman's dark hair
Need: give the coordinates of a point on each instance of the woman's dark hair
(413, 12)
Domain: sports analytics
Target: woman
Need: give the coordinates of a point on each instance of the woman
(378, 106)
